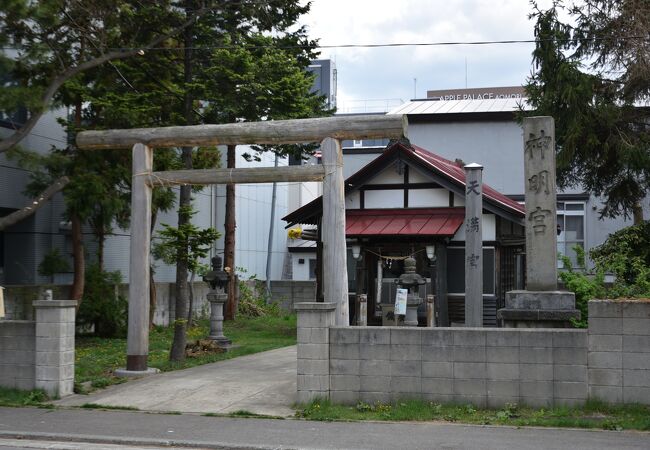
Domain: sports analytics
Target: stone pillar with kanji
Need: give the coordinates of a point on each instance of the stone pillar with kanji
(541, 304)
(473, 245)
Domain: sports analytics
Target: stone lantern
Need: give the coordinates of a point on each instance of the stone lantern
(218, 279)
(411, 281)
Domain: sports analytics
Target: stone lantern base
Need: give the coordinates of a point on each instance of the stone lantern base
(217, 302)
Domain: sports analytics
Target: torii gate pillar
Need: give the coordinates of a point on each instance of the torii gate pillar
(335, 272)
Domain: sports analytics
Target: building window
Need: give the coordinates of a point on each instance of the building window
(456, 271)
(571, 228)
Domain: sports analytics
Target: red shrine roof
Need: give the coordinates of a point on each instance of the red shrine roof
(410, 222)
(448, 173)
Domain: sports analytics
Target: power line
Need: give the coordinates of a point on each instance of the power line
(382, 45)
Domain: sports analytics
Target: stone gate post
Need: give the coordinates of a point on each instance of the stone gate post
(314, 322)
(54, 362)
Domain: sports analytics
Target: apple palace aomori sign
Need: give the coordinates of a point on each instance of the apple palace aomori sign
(477, 93)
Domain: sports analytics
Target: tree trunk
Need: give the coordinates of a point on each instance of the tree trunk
(269, 248)
(177, 352)
(79, 264)
(229, 240)
(78, 256)
(637, 213)
(180, 323)
(152, 298)
(152, 284)
(191, 307)
(101, 240)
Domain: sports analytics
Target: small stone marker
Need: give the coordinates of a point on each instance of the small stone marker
(473, 245)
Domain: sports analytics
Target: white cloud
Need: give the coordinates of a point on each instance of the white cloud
(384, 73)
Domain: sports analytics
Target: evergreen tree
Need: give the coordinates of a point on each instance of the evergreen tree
(132, 64)
(592, 74)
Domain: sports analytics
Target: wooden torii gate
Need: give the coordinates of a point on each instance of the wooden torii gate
(328, 131)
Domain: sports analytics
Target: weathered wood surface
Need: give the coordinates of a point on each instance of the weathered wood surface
(238, 176)
(362, 310)
(138, 326)
(431, 312)
(441, 284)
(335, 272)
(269, 132)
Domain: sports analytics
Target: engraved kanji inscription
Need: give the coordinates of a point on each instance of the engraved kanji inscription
(472, 224)
(538, 145)
(473, 260)
(473, 187)
(540, 182)
(538, 217)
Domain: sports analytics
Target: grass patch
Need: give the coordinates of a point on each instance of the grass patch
(594, 414)
(100, 406)
(97, 358)
(17, 397)
(244, 414)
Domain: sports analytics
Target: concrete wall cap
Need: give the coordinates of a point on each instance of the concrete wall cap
(55, 304)
(314, 306)
(621, 300)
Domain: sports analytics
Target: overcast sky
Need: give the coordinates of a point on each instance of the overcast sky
(388, 73)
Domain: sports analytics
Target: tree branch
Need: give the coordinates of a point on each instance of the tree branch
(36, 204)
(54, 86)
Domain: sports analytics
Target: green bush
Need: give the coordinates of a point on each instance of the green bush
(626, 255)
(102, 307)
(53, 262)
(585, 286)
(253, 302)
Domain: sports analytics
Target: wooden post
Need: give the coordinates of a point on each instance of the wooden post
(431, 314)
(380, 280)
(441, 284)
(137, 346)
(473, 246)
(362, 310)
(335, 279)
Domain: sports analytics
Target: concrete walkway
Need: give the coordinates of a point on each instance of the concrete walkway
(263, 383)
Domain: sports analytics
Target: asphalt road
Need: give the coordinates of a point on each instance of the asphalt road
(142, 430)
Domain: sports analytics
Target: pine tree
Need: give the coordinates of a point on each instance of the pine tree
(592, 74)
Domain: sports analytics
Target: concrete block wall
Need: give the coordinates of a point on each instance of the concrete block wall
(484, 367)
(17, 350)
(289, 292)
(619, 350)
(314, 323)
(18, 299)
(40, 354)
